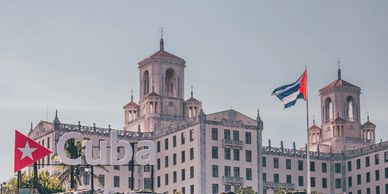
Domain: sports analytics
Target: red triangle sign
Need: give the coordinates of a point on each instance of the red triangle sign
(27, 151)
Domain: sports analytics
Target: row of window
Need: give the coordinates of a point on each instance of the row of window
(236, 154)
(175, 177)
(183, 190)
(174, 141)
(367, 177)
(228, 172)
(337, 166)
(236, 135)
(276, 179)
(228, 188)
(368, 190)
(174, 159)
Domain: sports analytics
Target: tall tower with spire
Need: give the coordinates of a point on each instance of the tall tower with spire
(161, 95)
(340, 117)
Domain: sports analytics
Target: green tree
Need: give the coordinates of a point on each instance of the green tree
(73, 174)
(245, 190)
(46, 184)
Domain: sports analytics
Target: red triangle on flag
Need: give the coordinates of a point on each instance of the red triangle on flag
(27, 151)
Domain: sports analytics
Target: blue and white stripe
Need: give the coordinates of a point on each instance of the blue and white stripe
(289, 94)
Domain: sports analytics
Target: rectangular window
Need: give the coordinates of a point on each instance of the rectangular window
(377, 159)
(165, 179)
(191, 135)
(48, 142)
(191, 172)
(312, 181)
(276, 178)
(183, 156)
(227, 134)
(147, 168)
(338, 183)
(101, 179)
(378, 190)
(236, 155)
(115, 167)
(174, 141)
(174, 177)
(236, 135)
(191, 153)
(349, 166)
(215, 189)
(183, 174)
(116, 181)
(248, 174)
(300, 181)
(367, 161)
(337, 167)
(228, 188)
(288, 179)
(158, 181)
(174, 159)
(367, 190)
(248, 155)
(324, 167)
(147, 183)
(214, 134)
(182, 138)
(183, 190)
(191, 189)
(264, 161)
(214, 171)
(359, 179)
(377, 175)
(276, 162)
(324, 183)
(350, 181)
(236, 172)
(227, 153)
(166, 144)
(215, 152)
(158, 164)
(288, 164)
(227, 171)
(368, 177)
(166, 161)
(358, 164)
(312, 166)
(300, 165)
(264, 177)
(158, 146)
(248, 138)
(386, 172)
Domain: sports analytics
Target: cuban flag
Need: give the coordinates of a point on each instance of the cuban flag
(289, 94)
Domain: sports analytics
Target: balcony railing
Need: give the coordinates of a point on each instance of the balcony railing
(228, 143)
(229, 180)
(273, 185)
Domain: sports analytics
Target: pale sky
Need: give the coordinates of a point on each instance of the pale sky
(80, 57)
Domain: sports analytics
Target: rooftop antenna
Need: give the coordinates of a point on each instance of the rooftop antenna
(131, 95)
(161, 38)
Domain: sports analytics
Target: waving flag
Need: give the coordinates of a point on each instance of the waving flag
(289, 94)
(27, 151)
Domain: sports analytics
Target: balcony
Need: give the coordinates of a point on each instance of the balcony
(235, 181)
(234, 144)
(274, 186)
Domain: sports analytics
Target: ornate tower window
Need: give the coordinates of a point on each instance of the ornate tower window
(169, 82)
(350, 108)
(329, 115)
(146, 83)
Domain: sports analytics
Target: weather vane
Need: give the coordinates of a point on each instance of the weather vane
(161, 31)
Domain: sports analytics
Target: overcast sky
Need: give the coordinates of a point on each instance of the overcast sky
(80, 57)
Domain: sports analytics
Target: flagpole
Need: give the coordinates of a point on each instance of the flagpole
(308, 139)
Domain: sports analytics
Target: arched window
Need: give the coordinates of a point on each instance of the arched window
(329, 110)
(169, 82)
(146, 83)
(350, 108)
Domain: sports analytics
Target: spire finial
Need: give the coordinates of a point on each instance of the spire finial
(56, 119)
(339, 68)
(131, 95)
(31, 126)
(192, 91)
(161, 38)
(367, 117)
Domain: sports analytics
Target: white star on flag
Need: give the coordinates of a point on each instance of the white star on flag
(27, 151)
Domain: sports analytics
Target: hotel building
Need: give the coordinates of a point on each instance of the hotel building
(200, 153)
